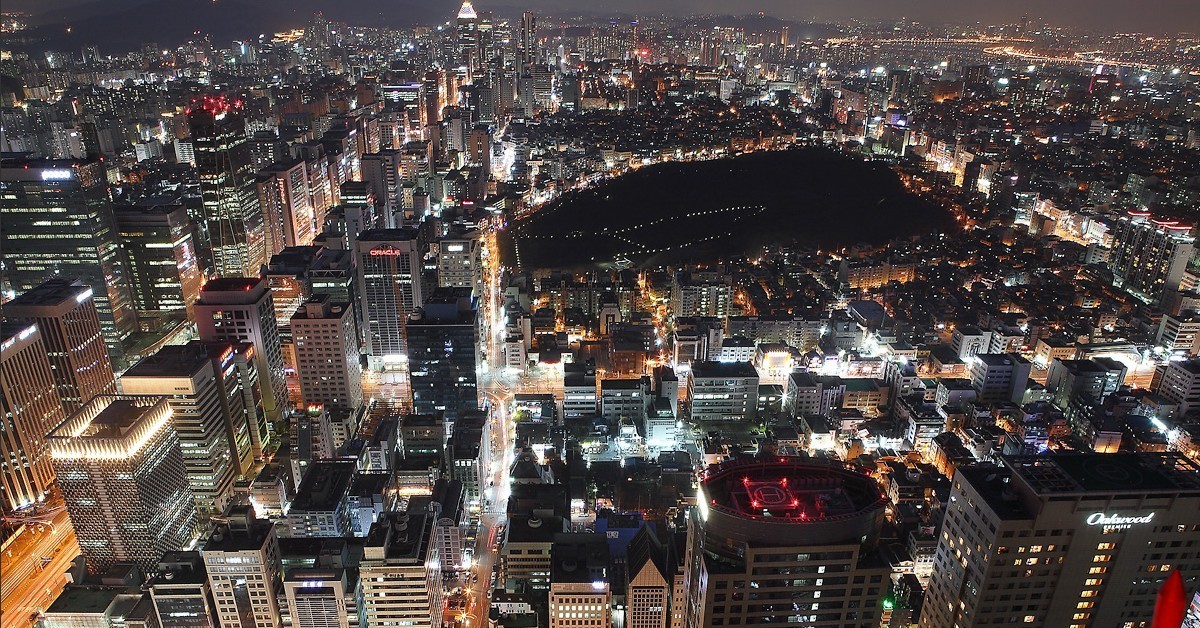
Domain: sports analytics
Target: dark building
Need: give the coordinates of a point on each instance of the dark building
(58, 222)
(443, 353)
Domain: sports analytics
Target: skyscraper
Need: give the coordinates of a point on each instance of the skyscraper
(786, 540)
(527, 42)
(160, 257)
(121, 472)
(30, 409)
(238, 310)
(468, 37)
(232, 230)
(1083, 539)
(443, 354)
(328, 363)
(66, 315)
(244, 569)
(58, 222)
(390, 287)
(1149, 255)
(208, 413)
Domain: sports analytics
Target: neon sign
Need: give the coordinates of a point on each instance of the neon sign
(1117, 522)
(388, 252)
(57, 174)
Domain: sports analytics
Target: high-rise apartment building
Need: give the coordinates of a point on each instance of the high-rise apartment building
(328, 364)
(786, 540)
(390, 287)
(1070, 540)
(208, 412)
(232, 230)
(29, 409)
(66, 315)
(443, 342)
(701, 294)
(160, 258)
(122, 476)
(240, 310)
(58, 222)
(1150, 255)
(241, 556)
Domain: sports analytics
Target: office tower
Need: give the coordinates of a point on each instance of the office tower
(327, 358)
(160, 257)
(320, 597)
(288, 218)
(31, 408)
(240, 357)
(381, 171)
(460, 262)
(208, 412)
(322, 504)
(1082, 539)
(468, 37)
(651, 570)
(66, 315)
(999, 377)
(238, 310)
(401, 569)
(443, 354)
(244, 568)
(1149, 256)
(580, 588)
(390, 287)
(122, 476)
(180, 593)
(804, 532)
(723, 391)
(58, 222)
(527, 41)
(232, 230)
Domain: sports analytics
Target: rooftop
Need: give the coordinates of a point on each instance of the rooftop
(724, 369)
(796, 489)
(325, 485)
(1140, 473)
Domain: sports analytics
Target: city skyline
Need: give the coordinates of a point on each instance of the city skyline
(643, 316)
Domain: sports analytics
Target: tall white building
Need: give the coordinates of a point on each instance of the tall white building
(460, 262)
(240, 310)
(327, 359)
(390, 287)
(243, 563)
(123, 479)
(1181, 384)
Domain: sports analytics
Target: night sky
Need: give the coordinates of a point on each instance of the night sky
(1168, 16)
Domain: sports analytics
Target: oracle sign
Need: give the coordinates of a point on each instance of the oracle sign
(386, 252)
(1117, 521)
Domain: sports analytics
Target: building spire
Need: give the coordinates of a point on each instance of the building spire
(466, 11)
